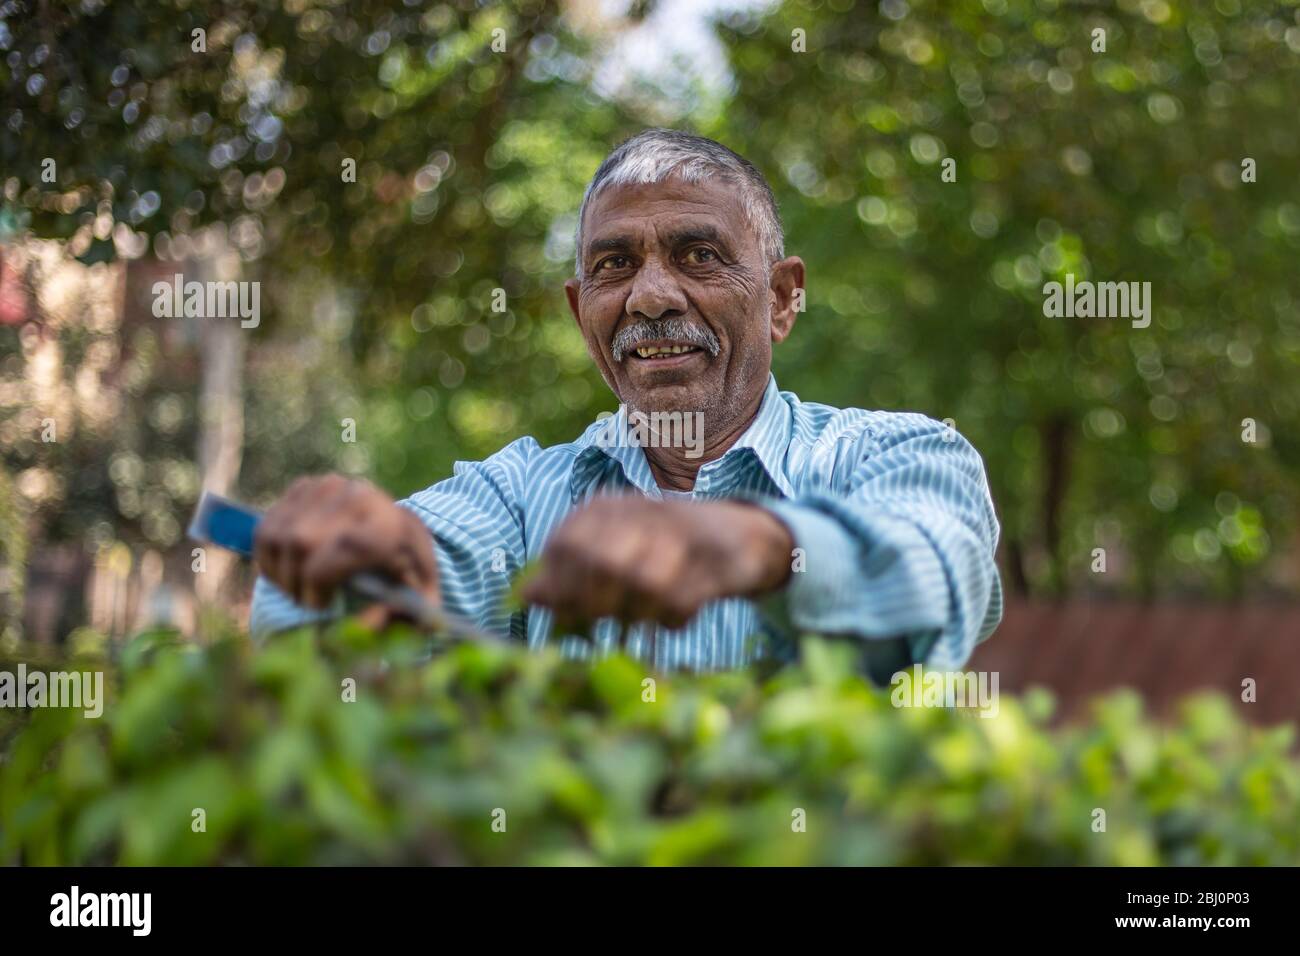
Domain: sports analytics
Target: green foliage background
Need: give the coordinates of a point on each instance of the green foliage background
(588, 771)
(923, 295)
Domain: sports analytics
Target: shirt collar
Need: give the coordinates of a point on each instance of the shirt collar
(602, 456)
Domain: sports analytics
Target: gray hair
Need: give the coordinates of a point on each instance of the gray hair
(654, 154)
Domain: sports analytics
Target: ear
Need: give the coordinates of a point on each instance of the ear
(571, 293)
(786, 293)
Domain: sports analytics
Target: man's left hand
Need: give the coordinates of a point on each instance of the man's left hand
(641, 559)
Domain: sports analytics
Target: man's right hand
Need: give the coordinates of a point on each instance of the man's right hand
(327, 528)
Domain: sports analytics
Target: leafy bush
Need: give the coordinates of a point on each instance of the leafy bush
(587, 771)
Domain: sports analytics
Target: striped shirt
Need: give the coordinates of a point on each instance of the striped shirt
(890, 513)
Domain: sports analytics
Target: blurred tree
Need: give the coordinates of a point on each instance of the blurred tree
(381, 171)
(1122, 165)
(13, 557)
(473, 128)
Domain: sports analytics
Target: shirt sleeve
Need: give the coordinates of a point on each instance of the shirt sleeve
(903, 558)
(476, 522)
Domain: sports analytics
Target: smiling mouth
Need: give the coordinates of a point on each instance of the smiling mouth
(666, 342)
(659, 353)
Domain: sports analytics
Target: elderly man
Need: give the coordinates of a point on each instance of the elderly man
(775, 517)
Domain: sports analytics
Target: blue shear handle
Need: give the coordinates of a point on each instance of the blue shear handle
(226, 524)
(231, 525)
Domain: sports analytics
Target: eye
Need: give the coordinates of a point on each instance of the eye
(700, 255)
(611, 262)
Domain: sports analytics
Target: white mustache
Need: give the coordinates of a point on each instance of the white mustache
(678, 330)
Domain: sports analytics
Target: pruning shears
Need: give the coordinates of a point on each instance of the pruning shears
(231, 525)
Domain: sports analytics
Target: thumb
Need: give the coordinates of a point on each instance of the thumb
(376, 617)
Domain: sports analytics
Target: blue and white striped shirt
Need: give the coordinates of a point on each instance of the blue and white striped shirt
(890, 513)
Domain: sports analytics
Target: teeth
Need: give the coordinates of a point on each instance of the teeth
(647, 352)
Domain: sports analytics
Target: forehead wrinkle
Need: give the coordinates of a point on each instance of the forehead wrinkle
(720, 205)
(702, 232)
(648, 231)
(611, 244)
(711, 210)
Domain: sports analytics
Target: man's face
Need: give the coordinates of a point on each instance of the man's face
(675, 301)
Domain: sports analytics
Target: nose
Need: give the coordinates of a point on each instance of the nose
(655, 293)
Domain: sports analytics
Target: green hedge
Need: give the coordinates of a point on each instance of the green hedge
(714, 770)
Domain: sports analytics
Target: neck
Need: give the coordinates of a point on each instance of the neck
(673, 471)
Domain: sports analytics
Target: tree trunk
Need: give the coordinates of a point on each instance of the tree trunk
(222, 344)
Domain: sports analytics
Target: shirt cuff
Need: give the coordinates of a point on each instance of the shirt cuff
(824, 571)
(274, 611)
(827, 588)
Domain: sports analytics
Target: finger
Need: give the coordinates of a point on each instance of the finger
(393, 541)
(273, 534)
(661, 588)
(552, 584)
(268, 538)
(328, 567)
(402, 566)
(371, 533)
(376, 617)
(316, 520)
(554, 587)
(565, 570)
(549, 586)
(322, 527)
(419, 550)
(606, 575)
